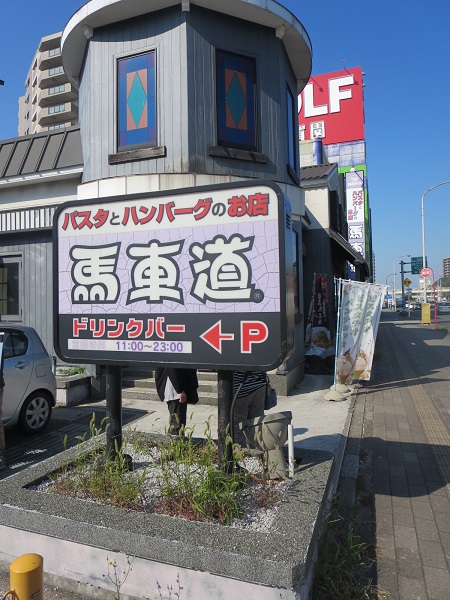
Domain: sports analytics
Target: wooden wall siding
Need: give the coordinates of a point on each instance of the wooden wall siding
(37, 280)
(185, 43)
(207, 30)
(165, 32)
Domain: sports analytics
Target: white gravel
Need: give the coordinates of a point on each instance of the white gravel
(255, 518)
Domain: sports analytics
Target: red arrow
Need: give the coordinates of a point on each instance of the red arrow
(214, 336)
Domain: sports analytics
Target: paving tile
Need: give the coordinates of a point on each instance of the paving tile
(432, 474)
(385, 524)
(416, 479)
(432, 554)
(399, 484)
(418, 491)
(445, 541)
(442, 522)
(405, 502)
(427, 530)
(386, 547)
(410, 457)
(397, 471)
(408, 562)
(405, 537)
(440, 504)
(403, 516)
(422, 510)
(387, 577)
(383, 504)
(412, 589)
(437, 582)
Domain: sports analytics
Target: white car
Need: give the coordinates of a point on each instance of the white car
(30, 385)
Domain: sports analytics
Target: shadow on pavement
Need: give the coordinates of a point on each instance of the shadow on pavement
(67, 427)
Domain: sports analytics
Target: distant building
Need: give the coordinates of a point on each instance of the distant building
(446, 267)
(331, 131)
(50, 101)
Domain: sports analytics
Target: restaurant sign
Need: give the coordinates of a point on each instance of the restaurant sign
(199, 277)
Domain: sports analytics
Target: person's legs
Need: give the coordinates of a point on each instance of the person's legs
(256, 404)
(248, 407)
(241, 411)
(178, 415)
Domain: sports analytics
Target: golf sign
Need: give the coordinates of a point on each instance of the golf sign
(199, 277)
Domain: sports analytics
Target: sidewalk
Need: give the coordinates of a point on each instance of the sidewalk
(397, 464)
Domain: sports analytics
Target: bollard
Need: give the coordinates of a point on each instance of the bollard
(26, 578)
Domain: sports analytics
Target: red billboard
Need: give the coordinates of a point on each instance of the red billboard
(331, 107)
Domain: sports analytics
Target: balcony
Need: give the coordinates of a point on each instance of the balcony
(68, 114)
(49, 78)
(50, 59)
(50, 97)
(50, 42)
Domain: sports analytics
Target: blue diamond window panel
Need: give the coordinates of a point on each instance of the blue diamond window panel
(137, 101)
(235, 96)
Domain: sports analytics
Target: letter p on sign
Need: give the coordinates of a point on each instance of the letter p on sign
(252, 332)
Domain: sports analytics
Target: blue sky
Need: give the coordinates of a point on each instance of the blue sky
(402, 47)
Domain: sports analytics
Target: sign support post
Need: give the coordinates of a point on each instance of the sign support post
(113, 410)
(225, 399)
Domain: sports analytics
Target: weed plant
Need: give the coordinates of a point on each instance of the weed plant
(342, 560)
(184, 472)
(98, 477)
(190, 483)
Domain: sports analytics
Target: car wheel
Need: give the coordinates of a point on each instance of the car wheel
(35, 412)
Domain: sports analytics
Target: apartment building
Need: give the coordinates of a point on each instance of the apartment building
(446, 267)
(50, 101)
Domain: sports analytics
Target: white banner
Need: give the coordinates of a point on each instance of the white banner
(361, 305)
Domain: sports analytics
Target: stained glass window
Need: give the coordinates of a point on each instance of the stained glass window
(235, 95)
(137, 101)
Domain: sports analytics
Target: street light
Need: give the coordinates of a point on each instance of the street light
(395, 272)
(423, 226)
(390, 275)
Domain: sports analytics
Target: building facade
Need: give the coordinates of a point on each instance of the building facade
(446, 267)
(175, 96)
(50, 101)
(331, 122)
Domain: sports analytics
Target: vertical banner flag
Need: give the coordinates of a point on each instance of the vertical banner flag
(361, 305)
(318, 340)
(354, 191)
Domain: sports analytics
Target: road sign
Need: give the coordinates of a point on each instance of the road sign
(425, 272)
(407, 282)
(417, 264)
(388, 297)
(201, 277)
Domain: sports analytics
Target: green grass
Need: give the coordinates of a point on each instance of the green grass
(344, 560)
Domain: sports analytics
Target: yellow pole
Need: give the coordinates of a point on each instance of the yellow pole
(26, 577)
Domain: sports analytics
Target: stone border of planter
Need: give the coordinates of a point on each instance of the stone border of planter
(278, 560)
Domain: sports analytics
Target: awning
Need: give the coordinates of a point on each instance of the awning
(351, 255)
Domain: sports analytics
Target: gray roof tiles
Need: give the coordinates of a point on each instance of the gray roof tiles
(49, 151)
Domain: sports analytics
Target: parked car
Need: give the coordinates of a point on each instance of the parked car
(444, 307)
(30, 385)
